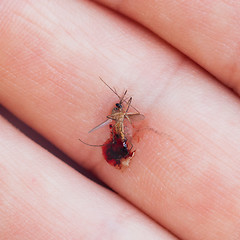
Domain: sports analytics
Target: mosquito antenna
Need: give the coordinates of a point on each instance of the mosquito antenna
(121, 99)
(110, 87)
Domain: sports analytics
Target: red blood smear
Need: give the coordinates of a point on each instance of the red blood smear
(115, 150)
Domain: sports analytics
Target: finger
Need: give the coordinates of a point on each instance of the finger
(206, 31)
(178, 175)
(42, 198)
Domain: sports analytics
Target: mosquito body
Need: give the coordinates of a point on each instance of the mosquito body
(118, 115)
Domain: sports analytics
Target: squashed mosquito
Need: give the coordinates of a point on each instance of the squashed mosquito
(116, 149)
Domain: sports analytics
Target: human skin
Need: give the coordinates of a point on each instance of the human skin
(185, 175)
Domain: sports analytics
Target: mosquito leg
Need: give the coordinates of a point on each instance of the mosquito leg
(92, 145)
(112, 132)
(113, 90)
(114, 116)
(126, 116)
(122, 98)
(128, 104)
(131, 145)
(110, 117)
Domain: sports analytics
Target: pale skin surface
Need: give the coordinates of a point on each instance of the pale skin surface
(186, 177)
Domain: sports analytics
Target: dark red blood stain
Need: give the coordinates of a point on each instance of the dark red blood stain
(115, 151)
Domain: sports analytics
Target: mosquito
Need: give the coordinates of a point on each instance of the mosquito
(116, 150)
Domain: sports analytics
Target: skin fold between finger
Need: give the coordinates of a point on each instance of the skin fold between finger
(206, 31)
(42, 198)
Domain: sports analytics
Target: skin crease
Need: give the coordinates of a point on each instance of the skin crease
(43, 198)
(185, 174)
(207, 31)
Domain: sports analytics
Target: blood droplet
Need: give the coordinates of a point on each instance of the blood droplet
(117, 152)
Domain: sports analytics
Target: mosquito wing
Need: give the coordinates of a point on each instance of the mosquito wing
(135, 116)
(108, 121)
